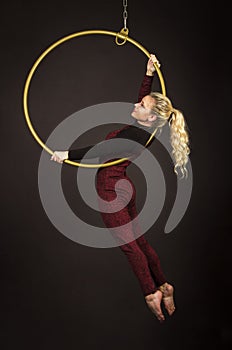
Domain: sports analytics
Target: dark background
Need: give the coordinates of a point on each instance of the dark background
(55, 293)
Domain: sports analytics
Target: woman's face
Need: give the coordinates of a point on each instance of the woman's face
(142, 110)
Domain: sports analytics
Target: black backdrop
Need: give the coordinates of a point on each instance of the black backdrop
(55, 293)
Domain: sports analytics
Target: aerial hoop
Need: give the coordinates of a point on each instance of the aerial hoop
(122, 35)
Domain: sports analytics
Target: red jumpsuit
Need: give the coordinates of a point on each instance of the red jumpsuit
(141, 256)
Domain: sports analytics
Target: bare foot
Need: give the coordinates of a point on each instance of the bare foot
(153, 302)
(168, 291)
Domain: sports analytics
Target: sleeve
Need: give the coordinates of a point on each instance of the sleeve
(123, 149)
(77, 154)
(145, 87)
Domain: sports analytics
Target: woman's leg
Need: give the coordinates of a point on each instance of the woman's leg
(151, 255)
(155, 266)
(119, 223)
(153, 261)
(123, 233)
(137, 261)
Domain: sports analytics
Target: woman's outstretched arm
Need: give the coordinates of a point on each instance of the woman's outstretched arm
(146, 85)
(102, 149)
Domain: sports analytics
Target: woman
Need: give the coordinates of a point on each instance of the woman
(151, 113)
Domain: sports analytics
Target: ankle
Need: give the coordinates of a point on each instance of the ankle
(166, 288)
(151, 296)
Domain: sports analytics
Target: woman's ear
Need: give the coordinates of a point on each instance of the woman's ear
(152, 117)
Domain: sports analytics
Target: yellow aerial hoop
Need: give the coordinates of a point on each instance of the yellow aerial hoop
(122, 35)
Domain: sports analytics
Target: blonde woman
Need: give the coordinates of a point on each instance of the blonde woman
(152, 111)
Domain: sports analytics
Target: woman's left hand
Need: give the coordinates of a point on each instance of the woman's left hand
(150, 64)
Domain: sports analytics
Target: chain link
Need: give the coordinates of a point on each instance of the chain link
(125, 13)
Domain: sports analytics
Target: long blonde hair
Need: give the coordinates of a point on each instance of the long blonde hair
(179, 137)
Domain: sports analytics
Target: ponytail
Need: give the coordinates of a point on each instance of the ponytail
(180, 141)
(179, 138)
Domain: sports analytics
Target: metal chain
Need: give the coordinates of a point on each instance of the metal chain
(125, 13)
(124, 31)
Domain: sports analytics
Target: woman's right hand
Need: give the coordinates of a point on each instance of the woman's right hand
(59, 156)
